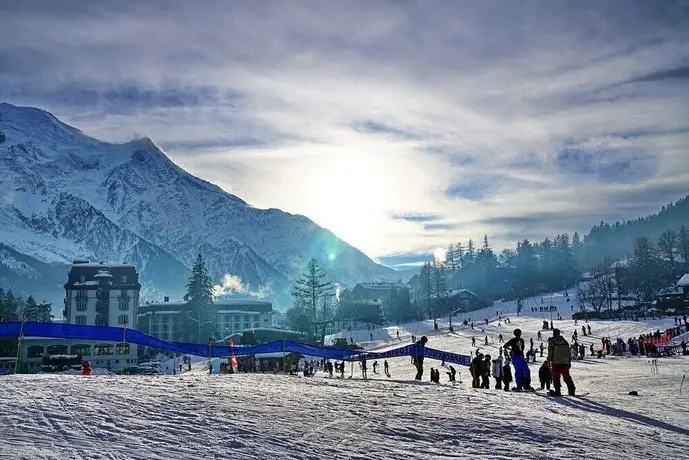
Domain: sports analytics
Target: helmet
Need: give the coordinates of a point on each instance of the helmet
(518, 332)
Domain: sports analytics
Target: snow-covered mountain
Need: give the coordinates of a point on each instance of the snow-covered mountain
(65, 195)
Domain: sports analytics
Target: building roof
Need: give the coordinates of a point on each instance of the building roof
(683, 281)
(223, 306)
(92, 272)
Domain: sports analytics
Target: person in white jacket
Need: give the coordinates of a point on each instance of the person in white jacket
(497, 372)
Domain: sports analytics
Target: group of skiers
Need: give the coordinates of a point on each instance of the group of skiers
(555, 369)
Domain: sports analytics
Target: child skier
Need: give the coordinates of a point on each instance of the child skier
(545, 376)
(497, 372)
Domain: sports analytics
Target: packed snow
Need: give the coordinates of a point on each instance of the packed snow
(196, 415)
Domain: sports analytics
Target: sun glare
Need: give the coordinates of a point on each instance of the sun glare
(350, 196)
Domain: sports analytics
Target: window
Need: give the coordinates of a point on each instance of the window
(80, 319)
(102, 349)
(122, 319)
(57, 350)
(82, 278)
(123, 304)
(124, 279)
(35, 351)
(81, 305)
(122, 348)
(82, 349)
(256, 319)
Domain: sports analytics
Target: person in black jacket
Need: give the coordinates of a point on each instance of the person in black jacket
(506, 375)
(545, 376)
(418, 356)
(476, 370)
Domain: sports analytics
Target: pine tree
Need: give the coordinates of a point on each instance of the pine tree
(459, 255)
(470, 254)
(439, 284)
(427, 284)
(311, 287)
(32, 310)
(684, 247)
(577, 249)
(199, 312)
(9, 309)
(645, 269)
(667, 245)
(450, 259)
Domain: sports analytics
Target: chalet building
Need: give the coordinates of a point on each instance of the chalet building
(683, 284)
(163, 319)
(374, 291)
(96, 294)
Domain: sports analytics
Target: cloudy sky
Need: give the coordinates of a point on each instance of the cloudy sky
(400, 125)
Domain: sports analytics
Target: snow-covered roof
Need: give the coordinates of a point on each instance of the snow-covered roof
(683, 281)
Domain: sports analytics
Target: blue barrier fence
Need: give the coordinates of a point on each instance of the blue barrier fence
(118, 334)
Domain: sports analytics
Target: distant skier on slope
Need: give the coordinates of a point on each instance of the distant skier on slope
(522, 375)
(561, 362)
(386, 368)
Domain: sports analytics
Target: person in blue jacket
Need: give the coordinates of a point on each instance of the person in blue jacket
(522, 375)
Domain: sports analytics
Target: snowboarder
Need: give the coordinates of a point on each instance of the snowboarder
(561, 361)
(497, 372)
(418, 356)
(545, 376)
(522, 375)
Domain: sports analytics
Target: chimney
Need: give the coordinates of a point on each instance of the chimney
(166, 299)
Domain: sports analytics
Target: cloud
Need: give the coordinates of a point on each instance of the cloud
(417, 217)
(232, 285)
(506, 118)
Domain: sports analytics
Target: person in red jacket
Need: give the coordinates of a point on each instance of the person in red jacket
(86, 368)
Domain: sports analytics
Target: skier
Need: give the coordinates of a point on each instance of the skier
(473, 342)
(375, 367)
(485, 372)
(475, 370)
(452, 373)
(398, 336)
(540, 336)
(588, 326)
(418, 356)
(500, 338)
(497, 372)
(561, 362)
(386, 368)
(363, 367)
(486, 340)
(506, 375)
(522, 375)
(545, 376)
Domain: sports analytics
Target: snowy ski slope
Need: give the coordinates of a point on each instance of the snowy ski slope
(195, 415)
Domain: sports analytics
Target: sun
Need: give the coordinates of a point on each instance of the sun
(349, 196)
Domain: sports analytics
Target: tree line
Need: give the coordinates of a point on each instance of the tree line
(652, 269)
(12, 308)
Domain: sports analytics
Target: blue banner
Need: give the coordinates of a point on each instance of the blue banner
(118, 334)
